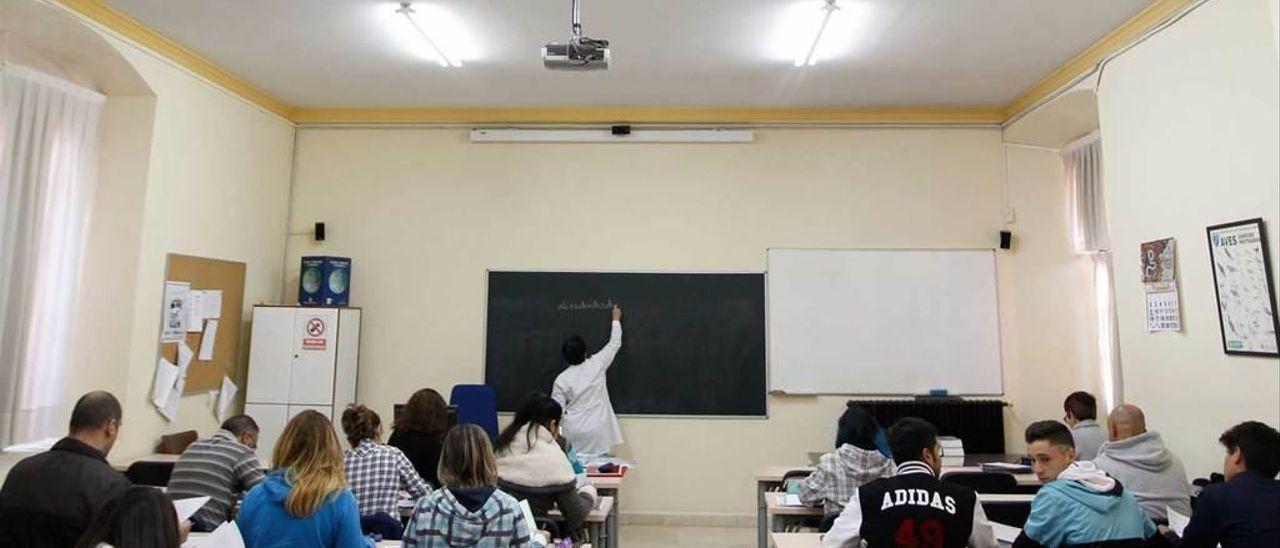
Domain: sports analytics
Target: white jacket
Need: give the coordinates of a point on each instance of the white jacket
(540, 464)
(589, 423)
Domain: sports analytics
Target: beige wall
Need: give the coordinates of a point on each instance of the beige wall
(214, 183)
(1189, 140)
(1047, 311)
(423, 213)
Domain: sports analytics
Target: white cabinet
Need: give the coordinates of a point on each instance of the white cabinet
(300, 358)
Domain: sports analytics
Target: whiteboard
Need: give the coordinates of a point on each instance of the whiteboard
(880, 321)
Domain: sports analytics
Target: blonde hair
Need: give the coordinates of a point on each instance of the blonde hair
(309, 453)
(466, 460)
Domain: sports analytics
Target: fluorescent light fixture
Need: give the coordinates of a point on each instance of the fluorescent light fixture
(433, 33)
(607, 136)
(810, 31)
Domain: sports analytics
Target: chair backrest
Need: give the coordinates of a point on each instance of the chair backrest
(176, 443)
(149, 472)
(984, 482)
(477, 404)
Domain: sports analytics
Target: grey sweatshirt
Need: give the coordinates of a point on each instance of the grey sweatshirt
(1089, 437)
(1148, 470)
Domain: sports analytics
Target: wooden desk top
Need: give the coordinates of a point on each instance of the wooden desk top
(773, 505)
(598, 514)
(607, 482)
(773, 474)
(796, 540)
(1001, 498)
(123, 465)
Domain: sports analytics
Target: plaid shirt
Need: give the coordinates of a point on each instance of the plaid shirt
(839, 473)
(440, 521)
(377, 473)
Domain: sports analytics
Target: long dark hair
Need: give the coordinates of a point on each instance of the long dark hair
(538, 409)
(858, 428)
(140, 517)
(424, 413)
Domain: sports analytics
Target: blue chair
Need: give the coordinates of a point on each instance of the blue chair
(477, 404)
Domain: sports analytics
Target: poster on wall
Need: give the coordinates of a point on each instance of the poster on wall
(174, 321)
(1246, 295)
(1160, 282)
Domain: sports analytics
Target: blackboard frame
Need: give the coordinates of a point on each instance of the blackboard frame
(768, 392)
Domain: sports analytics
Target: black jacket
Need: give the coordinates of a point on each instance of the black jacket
(423, 451)
(1243, 512)
(49, 499)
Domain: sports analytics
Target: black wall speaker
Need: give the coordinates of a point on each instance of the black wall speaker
(1006, 239)
(319, 232)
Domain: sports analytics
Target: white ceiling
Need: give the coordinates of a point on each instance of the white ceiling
(317, 53)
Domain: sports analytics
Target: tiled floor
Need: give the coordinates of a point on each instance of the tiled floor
(655, 536)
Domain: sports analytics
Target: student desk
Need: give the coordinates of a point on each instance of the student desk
(609, 486)
(595, 522)
(154, 457)
(796, 540)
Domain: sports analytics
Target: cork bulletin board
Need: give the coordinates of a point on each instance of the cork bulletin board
(227, 276)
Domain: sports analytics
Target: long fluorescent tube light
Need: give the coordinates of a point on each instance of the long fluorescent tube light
(809, 58)
(406, 9)
(607, 136)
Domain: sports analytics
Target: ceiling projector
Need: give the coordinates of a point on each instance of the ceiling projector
(581, 53)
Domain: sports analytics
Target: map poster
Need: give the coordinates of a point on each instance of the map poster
(1246, 296)
(1160, 282)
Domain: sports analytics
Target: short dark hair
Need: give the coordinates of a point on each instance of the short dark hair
(1054, 432)
(574, 350)
(1258, 443)
(1082, 405)
(909, 437)
(857, 427)
(359, 423)
(240, 425)
(94, 410)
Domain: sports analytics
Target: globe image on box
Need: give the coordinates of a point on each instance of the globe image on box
(338, 280)
(311, 280)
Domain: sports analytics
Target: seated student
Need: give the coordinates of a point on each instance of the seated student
(222, 467)
(468, 509)
(1245, 510)
(419, 432)
(304, 501)
(532, 466)
(49, 499)
(377, 473)
(1141, 462)
(1081, 414)
(1079, 504)
(141, 517)
(855, 461)
(913, 507)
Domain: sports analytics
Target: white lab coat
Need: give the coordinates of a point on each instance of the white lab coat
(589, 423)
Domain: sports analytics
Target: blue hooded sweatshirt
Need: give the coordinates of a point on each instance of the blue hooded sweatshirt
(264, 522)
(1083, 506)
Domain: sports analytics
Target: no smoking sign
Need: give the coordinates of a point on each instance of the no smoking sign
(315, 335)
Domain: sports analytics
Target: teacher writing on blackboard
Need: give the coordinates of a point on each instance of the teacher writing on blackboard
(589, 423)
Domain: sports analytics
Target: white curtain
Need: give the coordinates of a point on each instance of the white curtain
(48, 152)
(1083, 162)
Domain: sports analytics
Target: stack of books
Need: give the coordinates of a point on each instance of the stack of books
(952, 451)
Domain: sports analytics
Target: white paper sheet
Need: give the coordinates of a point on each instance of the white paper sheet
(531, 527)
(187, 507)
(790, 500)
(226, 396)
(194, 321)
(1005, 533)
(211, 304)
(226, 535)
(166, 375)
(1177, 522)
(185, 354)
(170, 407)
(174, 319)
(207, 340)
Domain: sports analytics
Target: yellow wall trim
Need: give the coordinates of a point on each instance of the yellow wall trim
(647, 115)
(1150, 16)
(128, 27)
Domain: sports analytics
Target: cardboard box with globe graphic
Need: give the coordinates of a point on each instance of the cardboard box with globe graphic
(324, 281)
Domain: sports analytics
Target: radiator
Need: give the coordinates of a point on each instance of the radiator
(980, 423)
